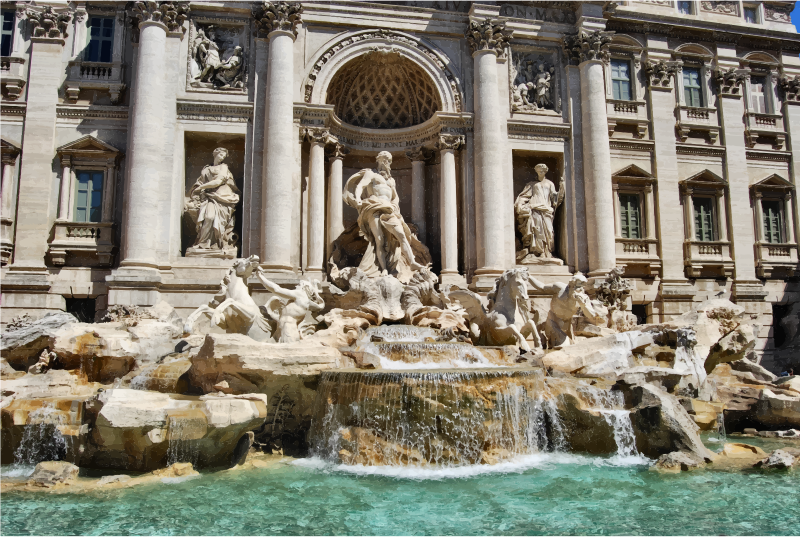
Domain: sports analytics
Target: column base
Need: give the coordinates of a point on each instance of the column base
(676, 299)
(315, 274)
(748, 291)
(452, 278)
(22, 278)
(484, 279)
(134, 286)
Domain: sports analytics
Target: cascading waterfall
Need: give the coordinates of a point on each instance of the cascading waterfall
(441, 418)
(180, 448)
(42, 440)
(721, 434)
(610, 404)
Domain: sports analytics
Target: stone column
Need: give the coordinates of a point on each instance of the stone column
(144, 225)
(7, 186)
(789, 218)
(35, 212)
(417, 158)
(9, 157)
(650, 231)
(487, 39)
(335, 188)
(758, 216)
(109, 187)
(731, 109)
(688, 215)
(723, 216)
(65, 199)
(447, 145)
(589, 51)
(617, 212)
(315, 243)
(279, 20)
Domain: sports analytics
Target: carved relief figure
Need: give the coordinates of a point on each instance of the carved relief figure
(535, 208)
(229, 73)
(213, 198)
(290, 313)
(373, 195)
(207, 53)
(532, 86)
(217, 58)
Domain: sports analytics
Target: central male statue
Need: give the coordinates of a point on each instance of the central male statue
(373, 194)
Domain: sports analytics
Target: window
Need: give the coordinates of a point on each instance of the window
(8, 33)
(750, 14)
(630, 214)
(621, 79)
(758, 100)
(685, 8)
(89, 198)
(101, 39)
(773, 221)
(704, 219)
(692, 91)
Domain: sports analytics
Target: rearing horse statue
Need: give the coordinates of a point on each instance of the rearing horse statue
(233, 309)
(508, 320)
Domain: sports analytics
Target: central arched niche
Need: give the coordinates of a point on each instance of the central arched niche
(383, 90)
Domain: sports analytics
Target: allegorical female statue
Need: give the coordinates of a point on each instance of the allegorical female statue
(213, 198)
(535, 208)
(373, 194)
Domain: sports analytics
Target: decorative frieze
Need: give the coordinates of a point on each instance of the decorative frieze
(537, 13)
(48, 23)
(217, 55)
(730, 82)
(723, 8)
(519, 130)
(450, 142)
(660, 74)
(586, 46)
(488, 34)
(81, 113)
(778, 11)
(533, 82)
(170, 14)
(278, 16)
(221, 113)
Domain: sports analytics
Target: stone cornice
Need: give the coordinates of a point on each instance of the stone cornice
(699, 150)
(632, 145)
(772, 156)
(94, 112)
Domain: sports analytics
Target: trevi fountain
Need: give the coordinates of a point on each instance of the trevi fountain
(384, 393)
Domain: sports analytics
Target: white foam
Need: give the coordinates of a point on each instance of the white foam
(17, 470)
(522, 463)
(449, 364)
(173, 480)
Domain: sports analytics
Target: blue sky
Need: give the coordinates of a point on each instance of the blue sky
(796, 16)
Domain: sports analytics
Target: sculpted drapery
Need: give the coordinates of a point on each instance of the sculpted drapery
(535, 209)
(214, 196)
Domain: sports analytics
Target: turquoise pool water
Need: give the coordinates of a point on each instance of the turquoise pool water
(547, 494)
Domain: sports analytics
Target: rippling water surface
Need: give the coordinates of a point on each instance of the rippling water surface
(547, 494)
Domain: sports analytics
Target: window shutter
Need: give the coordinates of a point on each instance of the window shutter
(630, 216)
(773, 221)
(89, 196)
(703, 219)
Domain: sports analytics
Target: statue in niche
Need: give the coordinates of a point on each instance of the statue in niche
(531, 84)
(535, 209)
(215, 69)
(210, 204)
(289, 308)
(373, 194)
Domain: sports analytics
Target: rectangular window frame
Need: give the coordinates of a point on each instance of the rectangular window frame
(92, 209)
(754, 9)
(781, 221)
(618, 82)
(7, 34)
(687, 4)
(624, 227)
(699, 231)
(693, 90)
(100, 48)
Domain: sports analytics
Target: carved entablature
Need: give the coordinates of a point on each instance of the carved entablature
(791, 88)
(586, 46)
(488, 34)
(534, 82)
(452, 142)
(218, 49)
(537, 13)
(730, 82)
(727, 7)
(48, 23)
(778, 11)
(170, 14)
(278, 16)
(660, 74)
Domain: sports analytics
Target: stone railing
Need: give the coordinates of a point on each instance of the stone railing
(708, 258)
(94, 75)
(638, 252)
(14, 76)
(630, 113)
(697, 119)
(776, 260)
(92, 241)
(764, 129)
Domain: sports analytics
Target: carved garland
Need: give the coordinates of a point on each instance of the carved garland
(389, 36)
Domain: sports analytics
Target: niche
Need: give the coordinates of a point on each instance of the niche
(199, 152)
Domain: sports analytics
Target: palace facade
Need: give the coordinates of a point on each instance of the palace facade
(669, 131)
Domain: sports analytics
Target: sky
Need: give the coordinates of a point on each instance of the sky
(796, 16)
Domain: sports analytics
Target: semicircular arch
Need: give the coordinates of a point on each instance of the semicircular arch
(339, 51)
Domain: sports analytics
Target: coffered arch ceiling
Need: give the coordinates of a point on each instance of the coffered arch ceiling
(383, 90)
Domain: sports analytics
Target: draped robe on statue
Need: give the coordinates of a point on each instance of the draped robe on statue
(535, 208)
(215, 207)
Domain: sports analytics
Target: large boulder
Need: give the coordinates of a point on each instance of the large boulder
(599, 356)
(732, 347)
(49, 473)
(779, 459)
(678, 461)
(53, 383)
(140, 430)
(22, 347)
(778, 410)
(759, 373)
(661, 425)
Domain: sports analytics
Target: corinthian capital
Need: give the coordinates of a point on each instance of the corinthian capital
(318, 135)
(336, 151)
(730, 82)
(273, 16)
(659, 74)
(49, 24)
(488, 35)
(449, 141)
(585, 46)
(170, 14)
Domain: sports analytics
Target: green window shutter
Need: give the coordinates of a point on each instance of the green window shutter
(89, 196)
(773, 221)
(704, 219)
(630, 214)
